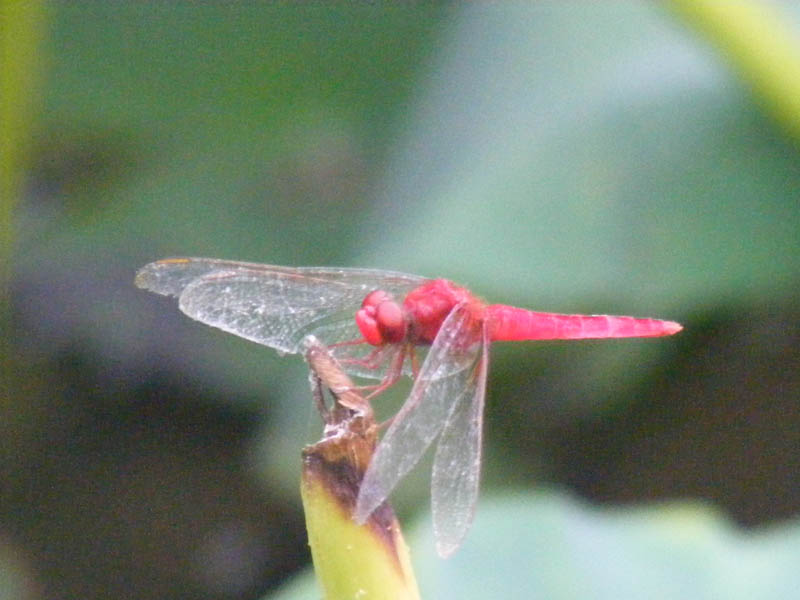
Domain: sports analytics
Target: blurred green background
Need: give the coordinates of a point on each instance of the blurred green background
(632, 158)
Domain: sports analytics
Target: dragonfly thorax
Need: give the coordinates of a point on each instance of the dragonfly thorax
(429, 304)
(381, 319)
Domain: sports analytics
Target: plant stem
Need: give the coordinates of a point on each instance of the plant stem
(369, 561)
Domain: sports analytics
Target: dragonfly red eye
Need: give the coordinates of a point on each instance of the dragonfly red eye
(380, 319)
(391, 321)
(374, 298)
(368, 325)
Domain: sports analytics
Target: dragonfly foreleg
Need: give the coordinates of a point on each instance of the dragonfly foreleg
(373, 360)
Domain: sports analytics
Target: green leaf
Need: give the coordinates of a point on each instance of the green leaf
(550, 545)
(564, 152)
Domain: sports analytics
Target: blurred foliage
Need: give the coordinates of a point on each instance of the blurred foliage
(756, 38)
(549, 545)
(560, 156)
(22, 26)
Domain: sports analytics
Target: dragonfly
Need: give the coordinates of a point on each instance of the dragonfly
(382, 325)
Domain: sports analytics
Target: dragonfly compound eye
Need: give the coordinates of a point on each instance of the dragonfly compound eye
(368, 325)
(391, 321)
(374, 298)
(380, 319)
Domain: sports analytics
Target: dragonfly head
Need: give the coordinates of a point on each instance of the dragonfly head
(381, 319)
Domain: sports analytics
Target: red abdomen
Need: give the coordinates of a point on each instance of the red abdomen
(507, 323)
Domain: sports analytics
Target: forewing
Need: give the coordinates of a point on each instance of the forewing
(170, 276)
(444, 378)
(271, 305)
(457, 463)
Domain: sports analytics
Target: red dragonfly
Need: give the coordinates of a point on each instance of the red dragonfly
(379, 324)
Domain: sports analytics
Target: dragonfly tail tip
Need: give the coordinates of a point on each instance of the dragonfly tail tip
(671, 327)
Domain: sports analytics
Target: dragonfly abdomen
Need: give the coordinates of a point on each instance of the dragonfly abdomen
(508, 323)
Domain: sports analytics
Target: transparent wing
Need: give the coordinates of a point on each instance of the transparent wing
(445, 377)
(457, 463)
(171, 275)
(275, 306)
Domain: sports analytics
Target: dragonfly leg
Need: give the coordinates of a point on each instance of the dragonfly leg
(349, 343)
(393, 373)
(375, 389)
(373, 360)
(414, 362)
(383, 425)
